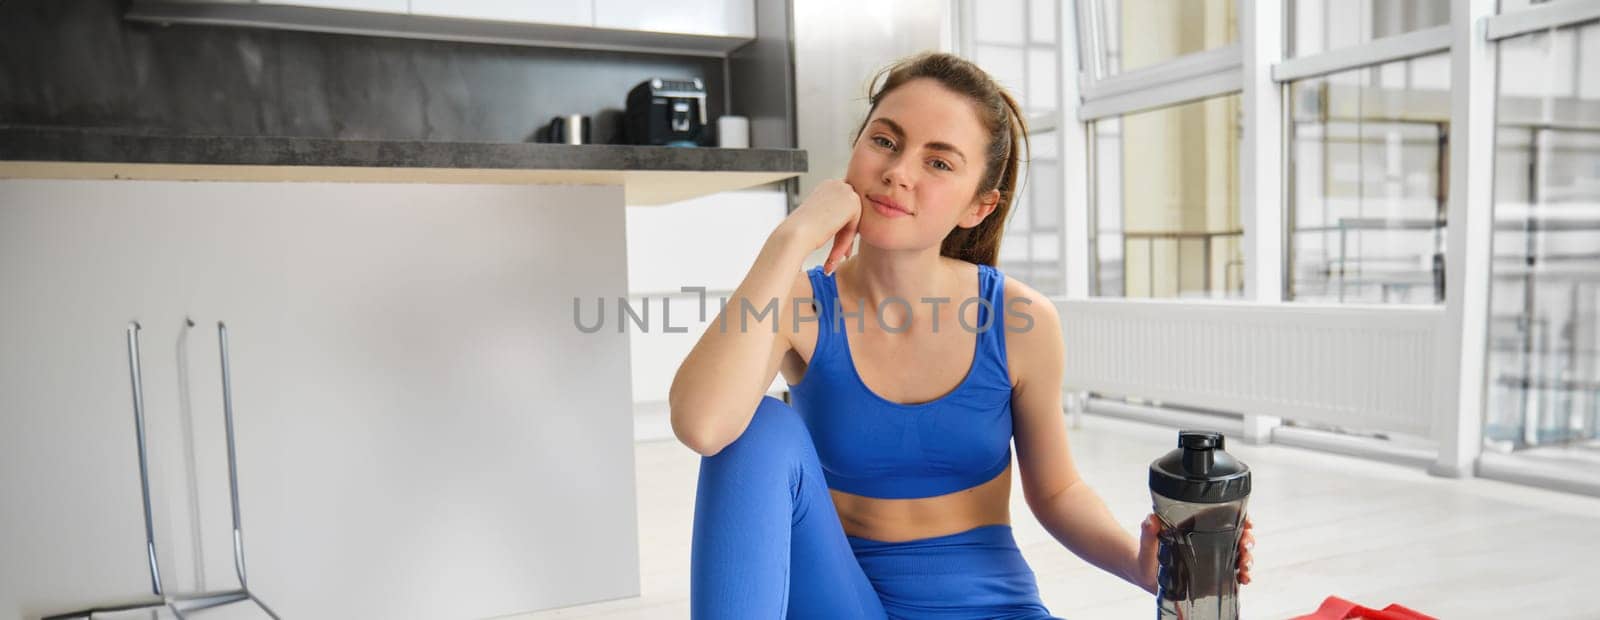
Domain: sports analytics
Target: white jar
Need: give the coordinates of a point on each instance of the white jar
(733, 132)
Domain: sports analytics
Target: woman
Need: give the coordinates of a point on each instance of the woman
(884, 491)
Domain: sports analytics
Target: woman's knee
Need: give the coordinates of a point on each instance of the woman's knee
(774, 427)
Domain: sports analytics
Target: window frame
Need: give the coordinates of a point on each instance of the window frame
(1191, 77)
(1545, 17)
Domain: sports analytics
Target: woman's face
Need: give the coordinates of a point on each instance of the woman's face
(917, 165)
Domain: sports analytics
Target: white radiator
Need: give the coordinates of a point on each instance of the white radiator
(1359, 367)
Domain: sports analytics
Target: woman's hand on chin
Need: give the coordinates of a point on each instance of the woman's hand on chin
(832, 211)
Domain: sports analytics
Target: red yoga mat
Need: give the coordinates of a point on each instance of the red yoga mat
(1336, 608)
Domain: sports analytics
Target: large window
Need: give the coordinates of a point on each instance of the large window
(1160, 81)
(1179, 96)
(1368, 134)
(1367, 191)
(1544, 323)
(1017, 42)
(1166, 202)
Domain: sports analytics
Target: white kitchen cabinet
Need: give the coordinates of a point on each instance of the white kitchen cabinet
(725, 18)
(711, 28)
(423, 431)
(563, 12)
(376, 6)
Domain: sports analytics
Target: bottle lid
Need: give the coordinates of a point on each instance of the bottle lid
(1200, 471)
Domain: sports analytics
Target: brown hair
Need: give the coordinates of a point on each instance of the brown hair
(1001, 117)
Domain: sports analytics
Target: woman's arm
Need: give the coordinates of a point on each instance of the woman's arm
(1060, 499)
(1057, 495)
(726, 375)
(723, 379)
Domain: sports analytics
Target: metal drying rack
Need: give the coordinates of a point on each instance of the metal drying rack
(181, 603)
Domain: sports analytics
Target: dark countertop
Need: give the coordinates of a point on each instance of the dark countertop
(651, 174)
(68, 144)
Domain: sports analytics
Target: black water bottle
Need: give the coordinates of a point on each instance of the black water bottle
(1200, 493)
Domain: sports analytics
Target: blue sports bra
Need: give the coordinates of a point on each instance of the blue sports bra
(872, 446)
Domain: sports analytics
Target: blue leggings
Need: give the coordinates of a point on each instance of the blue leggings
(768, 544)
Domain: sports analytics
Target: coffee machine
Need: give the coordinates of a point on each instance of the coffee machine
(666, 112)
(1200, 493)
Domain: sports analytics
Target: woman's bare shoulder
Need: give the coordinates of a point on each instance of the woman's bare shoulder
(1033, 328)
(1023, 302)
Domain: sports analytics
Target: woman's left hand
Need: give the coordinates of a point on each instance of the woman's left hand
(1150, 545)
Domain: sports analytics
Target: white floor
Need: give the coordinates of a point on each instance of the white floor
(1327, 525)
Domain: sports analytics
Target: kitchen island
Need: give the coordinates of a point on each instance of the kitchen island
(423, 428)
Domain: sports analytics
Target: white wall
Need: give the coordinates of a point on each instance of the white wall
(422, 431)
